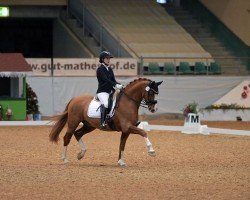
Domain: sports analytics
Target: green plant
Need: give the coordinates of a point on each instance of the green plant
(190, 108)
(32, 102)
(1, 112)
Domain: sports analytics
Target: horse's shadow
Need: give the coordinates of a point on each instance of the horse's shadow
(97, 165)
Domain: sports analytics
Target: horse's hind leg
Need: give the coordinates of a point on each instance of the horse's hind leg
(123, 140)
(78, 135)
(67, 137)
(66, 140)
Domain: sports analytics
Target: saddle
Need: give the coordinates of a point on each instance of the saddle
(94, 106)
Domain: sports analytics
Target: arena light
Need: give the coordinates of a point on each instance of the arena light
(4, 12)
(161, 1)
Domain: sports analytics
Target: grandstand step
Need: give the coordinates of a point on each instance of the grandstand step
(208, 42)
(90, 41)
(199, 34)
(230, 65)
(200, 30)
(92, 44)
(214, 48)
(74, 26)
(218, 52)
(178, 12)
(236, 70)
(96, 50)
(183, 17)
(186, 20)
(71, 22)
(81, 34)
(229, 62)
(192, 26)
(174, 9)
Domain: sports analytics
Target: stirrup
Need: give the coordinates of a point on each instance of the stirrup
(103, 125)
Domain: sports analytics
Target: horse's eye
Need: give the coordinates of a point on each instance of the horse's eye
(151, 92)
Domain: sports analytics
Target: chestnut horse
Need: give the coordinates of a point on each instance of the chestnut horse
(138, 92)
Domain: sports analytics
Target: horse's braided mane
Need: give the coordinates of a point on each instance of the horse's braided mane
(136, 80)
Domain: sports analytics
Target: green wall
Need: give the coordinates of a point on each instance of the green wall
(18, 107)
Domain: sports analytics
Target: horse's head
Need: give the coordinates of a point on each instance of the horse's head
(142, 92)
(151, 90)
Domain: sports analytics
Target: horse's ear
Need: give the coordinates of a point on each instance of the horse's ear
(151, 83)
(158, 83)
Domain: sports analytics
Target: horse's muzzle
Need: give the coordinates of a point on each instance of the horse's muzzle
(153, 108)
(152, 102)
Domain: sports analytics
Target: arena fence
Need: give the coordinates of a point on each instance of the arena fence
(146, 127)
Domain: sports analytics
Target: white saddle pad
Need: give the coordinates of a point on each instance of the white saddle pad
(94, 110)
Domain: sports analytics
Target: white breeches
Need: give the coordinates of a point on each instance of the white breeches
(104, 98)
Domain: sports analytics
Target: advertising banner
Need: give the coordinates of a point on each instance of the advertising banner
(88, 66)
(40, 66)
(80, 67)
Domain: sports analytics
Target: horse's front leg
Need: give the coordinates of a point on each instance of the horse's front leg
(123, 140)
(136, 130)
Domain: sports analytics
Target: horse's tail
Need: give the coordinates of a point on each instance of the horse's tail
(57, 128)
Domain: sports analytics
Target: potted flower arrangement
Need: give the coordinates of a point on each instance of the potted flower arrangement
(32, 105)
(225, 107)
(9, 113)
(190, 108)
(229, 112)
(192, 119)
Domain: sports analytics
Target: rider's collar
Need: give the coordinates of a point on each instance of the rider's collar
(107, 67)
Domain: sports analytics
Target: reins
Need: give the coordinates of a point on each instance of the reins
(136, 102)
(151, 88)
(142, 103)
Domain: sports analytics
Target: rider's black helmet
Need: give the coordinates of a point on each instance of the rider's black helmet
(104, 54)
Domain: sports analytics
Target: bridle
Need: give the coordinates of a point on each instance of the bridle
(144, 103)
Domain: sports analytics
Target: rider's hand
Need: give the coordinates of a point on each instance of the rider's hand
(118, 86)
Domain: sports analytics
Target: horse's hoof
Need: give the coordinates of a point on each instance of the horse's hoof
(81, 154)
(152, 153)
(65, 161)
(121, 163)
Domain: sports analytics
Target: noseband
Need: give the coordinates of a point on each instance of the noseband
(146, 103)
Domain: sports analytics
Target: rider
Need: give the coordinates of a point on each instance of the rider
(106, 83)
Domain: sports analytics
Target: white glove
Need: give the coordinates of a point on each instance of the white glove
(118, 86)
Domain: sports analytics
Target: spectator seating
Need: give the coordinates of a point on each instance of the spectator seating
(147, 29)
(200, 68)
(184, 68)
(169, 68)
(215, 68)
(154, 68)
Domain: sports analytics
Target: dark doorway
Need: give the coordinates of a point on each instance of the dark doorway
(4, 87)
(31, 37)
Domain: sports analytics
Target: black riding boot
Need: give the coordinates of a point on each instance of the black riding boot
(103, 116)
